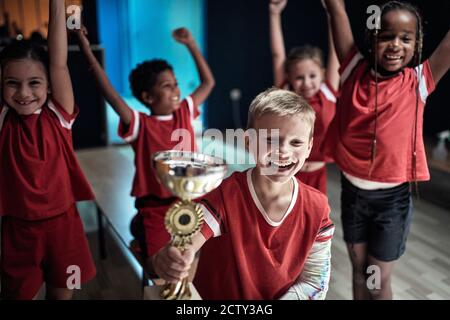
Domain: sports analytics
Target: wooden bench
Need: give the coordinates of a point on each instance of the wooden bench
(110, 174)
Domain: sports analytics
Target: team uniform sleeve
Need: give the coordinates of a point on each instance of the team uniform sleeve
(328, 91)
(65, 120)
(129, 133)
(349, 64)
(315, 277)
(425, 80)
(214, 214)
(194, 112)
(3, 112)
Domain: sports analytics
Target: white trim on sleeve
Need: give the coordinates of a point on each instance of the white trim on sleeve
(190, 103)
(351, 66)
(422, 83)
(327, 93)
(135, 130)
(211, 221)
(64, 123)
(2, 116)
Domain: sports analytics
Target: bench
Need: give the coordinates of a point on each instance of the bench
(110, 173)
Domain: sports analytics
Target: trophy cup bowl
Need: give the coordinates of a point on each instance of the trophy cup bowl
(188, 175)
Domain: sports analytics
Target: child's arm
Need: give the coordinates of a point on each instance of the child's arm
(332, 72)
(440, 59)
(340, 27)
(207, 82)
(277, 41)
(315, 277)
(108, 91)
(60, 83)
(172, 265)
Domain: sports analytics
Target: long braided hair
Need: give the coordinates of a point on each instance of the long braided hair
(372, 39)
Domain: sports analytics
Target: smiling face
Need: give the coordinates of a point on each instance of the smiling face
(164, 97)
(287, 145)
(305, 77)
(397, 40)
(25, 85)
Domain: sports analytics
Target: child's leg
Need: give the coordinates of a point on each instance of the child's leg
(355, 215)
(21, 256)
(358, 258)
(384, 292)
(69, 262)
(393, 213)
(58, 293)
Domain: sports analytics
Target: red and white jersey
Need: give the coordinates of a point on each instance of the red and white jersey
(150, 134)
(349, 140)
(324, 104)
(249, 256)
(40, 176)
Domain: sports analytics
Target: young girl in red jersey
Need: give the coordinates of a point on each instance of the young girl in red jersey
(303, 72)
(40, 180)
(376, 135)
(154, 84)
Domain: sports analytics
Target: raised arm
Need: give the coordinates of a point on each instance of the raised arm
(277, 41)
(207, 82)
(332, 71)
(108, 91)
(60, 83)
(340, 27)
(440, 59)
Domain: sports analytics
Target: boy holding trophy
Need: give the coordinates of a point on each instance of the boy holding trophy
(272, 239)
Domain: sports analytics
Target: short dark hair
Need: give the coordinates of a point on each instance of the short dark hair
(24, 49)
(144, 76)
(297, 54)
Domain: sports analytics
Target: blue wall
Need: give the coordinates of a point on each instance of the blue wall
(132, 31)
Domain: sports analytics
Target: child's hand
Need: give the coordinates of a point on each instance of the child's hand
(82, 34)
(171, 264)
(182, 35)
(277, 6)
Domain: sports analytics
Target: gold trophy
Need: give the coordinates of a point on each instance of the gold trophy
(188, 175)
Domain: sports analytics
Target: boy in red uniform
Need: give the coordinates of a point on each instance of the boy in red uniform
(302, 72)
(272, 239)
(376, 137)
(40, 179)
(169, 126)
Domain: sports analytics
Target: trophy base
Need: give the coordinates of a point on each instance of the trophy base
(153, 292)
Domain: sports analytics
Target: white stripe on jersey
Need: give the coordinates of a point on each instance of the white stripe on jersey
(64, 123)
(190, 103)
(2, 116)
(422, 83)
(328, 233)
(135, 130)
(351, 66)
(211, 221)
(327, 93)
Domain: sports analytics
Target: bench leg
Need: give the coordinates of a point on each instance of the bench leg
(101, 234)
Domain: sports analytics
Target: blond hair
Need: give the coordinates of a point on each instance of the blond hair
(282, 103)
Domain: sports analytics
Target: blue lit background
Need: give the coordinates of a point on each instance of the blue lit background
(143, 31)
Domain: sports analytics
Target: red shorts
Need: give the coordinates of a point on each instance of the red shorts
(316, 179)
(34, 252)
(148, 225)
